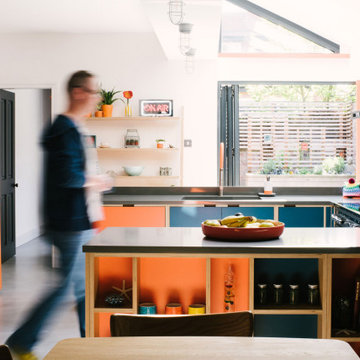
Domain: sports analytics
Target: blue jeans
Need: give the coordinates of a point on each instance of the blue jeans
(72, 273)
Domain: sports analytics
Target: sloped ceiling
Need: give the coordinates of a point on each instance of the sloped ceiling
(205, 15)
(73, 16)
(333, 19)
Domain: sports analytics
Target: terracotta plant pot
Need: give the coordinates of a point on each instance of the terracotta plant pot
(107, 110)
(159, 145)
(98, 113)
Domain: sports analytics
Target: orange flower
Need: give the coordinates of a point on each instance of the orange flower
(128, 94)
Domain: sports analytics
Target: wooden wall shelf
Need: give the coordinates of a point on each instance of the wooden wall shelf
(137, 150)
(133, 118)
(113, 130)
(145, 180)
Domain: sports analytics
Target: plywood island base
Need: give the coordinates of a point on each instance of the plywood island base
(165, 265)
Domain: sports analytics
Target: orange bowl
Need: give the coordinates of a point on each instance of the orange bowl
(243, 234)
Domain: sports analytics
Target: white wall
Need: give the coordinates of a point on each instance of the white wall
(136, 62)
(29, 122)
(127, 62)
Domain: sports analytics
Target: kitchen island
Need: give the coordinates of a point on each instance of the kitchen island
(165, 264)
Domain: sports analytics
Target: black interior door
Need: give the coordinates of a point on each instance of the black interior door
(7, 184)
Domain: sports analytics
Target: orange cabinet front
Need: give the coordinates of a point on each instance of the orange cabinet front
(143, 216)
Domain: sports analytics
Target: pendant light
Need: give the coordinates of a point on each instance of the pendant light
(176, 11)
(185, 31)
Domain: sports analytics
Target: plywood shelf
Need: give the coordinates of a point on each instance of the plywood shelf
(133, 118)
(146, 180)
(287, 312)
(137, 150)
(114, 310)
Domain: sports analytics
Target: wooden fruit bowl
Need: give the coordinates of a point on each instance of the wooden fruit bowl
(243, 234)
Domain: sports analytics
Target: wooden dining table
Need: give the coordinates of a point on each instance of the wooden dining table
(200, 348)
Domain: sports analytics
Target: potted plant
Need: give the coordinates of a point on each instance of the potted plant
(108, 98)
(160, 143)
(98, 112)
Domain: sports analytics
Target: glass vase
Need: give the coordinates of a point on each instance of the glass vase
(128, 110)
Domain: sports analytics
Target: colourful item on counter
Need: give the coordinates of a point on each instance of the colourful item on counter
(196, 309)
(147, 309)
(351, 189)
(173, 309)
(229, 298)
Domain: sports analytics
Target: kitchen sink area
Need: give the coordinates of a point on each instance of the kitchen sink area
(223, 197)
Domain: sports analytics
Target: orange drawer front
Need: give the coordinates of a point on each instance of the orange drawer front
(143, 216)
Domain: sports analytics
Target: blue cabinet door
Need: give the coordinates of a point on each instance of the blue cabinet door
(298, 326)
(302, 216)
(258, 212)
(328, 217)
(192, 216)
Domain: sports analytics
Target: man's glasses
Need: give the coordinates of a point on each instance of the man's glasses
(90, 91)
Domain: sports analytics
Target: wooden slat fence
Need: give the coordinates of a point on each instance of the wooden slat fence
(300, 134)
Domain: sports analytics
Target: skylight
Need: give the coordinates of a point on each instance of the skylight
(245, 32)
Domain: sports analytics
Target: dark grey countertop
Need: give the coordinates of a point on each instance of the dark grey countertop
(192, 241)
(177, 200)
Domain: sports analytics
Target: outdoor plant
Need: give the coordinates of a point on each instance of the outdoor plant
(274, 166)
(305, 171)
(334, 165)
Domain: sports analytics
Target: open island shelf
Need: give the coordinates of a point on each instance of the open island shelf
(178, 265)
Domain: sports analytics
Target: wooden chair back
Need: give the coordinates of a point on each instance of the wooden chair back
(5, 353)
(227, 324)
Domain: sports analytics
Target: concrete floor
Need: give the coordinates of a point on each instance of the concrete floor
(25, 277)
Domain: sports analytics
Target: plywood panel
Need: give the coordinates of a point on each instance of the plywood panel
(144, 216)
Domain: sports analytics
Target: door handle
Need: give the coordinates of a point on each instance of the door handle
(15, 185)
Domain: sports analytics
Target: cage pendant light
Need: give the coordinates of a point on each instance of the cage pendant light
(185, 37)
(176, 11)
(189, 60)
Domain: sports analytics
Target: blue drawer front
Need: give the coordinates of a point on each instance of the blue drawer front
(302, 216)
(192, 216)
(297, 326)
(259, 212)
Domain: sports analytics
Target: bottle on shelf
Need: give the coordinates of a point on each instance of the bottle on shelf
(268, 189)
(229, 298)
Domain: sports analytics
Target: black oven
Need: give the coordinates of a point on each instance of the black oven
(346, 215)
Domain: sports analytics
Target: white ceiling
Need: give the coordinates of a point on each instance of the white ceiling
(73, 16)
(334, 19)
(205, 15)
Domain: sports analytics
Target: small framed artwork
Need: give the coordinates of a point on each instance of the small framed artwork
(91, 141)
(156, 107)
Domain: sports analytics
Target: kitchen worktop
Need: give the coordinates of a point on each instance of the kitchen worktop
(171, 199)
(191, 240)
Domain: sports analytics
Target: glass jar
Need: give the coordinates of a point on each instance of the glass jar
(262, 294)
(313, 294)
(278, 294)
(132, 138)
(293, 294)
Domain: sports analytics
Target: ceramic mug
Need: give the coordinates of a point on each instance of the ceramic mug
(147, 309)
(173, 309)
(196, 309)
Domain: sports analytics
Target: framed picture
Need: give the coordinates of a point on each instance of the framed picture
(156, 107)
(91, 141)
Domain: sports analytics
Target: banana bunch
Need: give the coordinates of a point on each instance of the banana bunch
(212, 222)
(238, 221)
